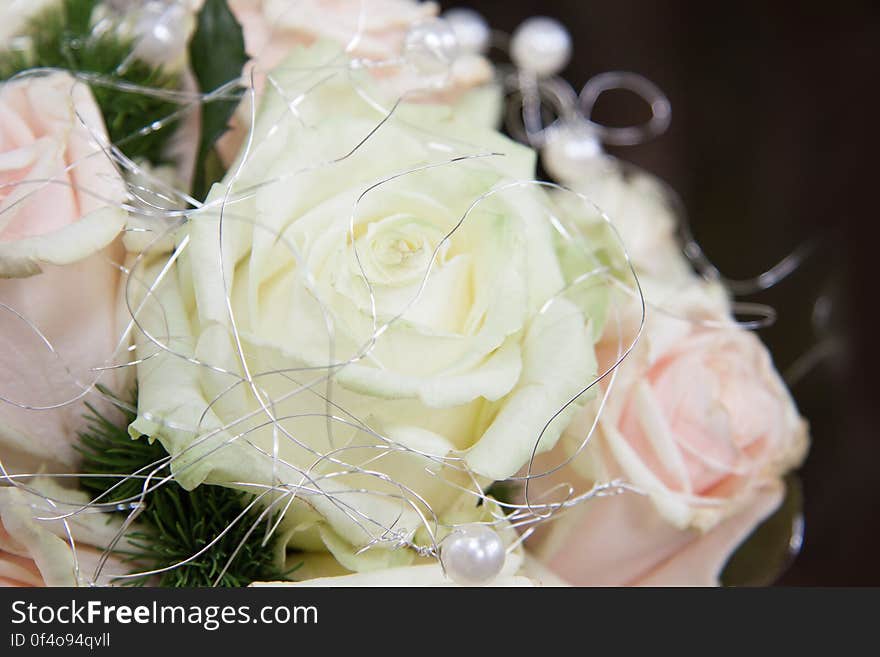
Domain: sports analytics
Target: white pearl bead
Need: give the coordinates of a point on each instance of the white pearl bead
(571, 149)
(472, 555)
(161, 32)
(471, 30)
(541, 46)
(430, 46)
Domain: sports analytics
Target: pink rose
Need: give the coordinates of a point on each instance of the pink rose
(700, 421)
(36, 552)
(621, 540)
(60, 215)
(370, 30)
(59, 190)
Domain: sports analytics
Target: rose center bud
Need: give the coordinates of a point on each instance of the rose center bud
(397, 251)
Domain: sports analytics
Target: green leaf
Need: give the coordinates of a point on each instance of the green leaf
(217, 56)
(764, 556)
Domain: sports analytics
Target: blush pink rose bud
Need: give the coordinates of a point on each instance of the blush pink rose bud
(60, 217)
(698, 420)
(372, 31)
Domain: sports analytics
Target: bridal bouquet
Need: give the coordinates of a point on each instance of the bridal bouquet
(282, 302)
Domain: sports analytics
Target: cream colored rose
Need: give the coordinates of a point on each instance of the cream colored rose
(398, 313)
(37, 552)
(700, 421)
(59, 219)
(372, 31)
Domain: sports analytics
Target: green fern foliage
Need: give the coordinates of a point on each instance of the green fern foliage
(176, 525)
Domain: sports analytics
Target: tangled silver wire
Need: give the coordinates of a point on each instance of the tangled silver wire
(169, 210)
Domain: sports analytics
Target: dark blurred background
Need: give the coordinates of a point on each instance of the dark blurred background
(773, 142)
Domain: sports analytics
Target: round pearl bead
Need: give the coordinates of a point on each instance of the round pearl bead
(571, 148)
(430, 46)
(541, 46)
(472, 555)
(161, 30)
(471, 30)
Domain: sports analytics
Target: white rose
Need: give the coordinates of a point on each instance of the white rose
(470, 353)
